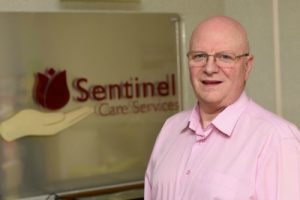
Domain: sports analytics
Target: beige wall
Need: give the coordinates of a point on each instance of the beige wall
(274, 79)
(257, 17)
(290, 53)
(274, 33)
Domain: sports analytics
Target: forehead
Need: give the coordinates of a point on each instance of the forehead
(219, 35)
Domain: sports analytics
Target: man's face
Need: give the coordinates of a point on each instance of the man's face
(217, 85)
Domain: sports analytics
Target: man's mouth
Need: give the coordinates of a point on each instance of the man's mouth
(211, 82)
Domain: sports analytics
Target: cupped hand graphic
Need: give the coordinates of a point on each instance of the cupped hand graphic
(31, 122)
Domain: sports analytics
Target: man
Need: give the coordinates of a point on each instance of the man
(226, 147)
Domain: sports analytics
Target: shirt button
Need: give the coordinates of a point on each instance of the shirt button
(188, 172)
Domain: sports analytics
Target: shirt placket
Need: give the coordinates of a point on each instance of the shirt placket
(193, 161)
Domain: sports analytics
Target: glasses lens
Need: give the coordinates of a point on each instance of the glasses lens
(198, 56)
(225, 58)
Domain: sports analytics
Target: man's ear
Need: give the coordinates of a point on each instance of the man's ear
(248, 66)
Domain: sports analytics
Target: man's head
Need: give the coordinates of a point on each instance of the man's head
(221, 80)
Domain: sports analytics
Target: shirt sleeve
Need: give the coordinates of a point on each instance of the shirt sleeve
(278, 174)
(147, 184)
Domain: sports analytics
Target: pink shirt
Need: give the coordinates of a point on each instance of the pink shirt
(245, 153)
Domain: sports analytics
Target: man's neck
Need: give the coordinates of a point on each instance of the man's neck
(208, 114)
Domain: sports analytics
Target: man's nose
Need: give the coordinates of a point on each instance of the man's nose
(211, 65)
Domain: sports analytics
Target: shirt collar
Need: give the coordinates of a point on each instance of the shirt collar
(228, 118)
(225, 121)
(194, 121)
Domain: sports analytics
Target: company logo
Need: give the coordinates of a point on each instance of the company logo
(51, 89)
(141, 96)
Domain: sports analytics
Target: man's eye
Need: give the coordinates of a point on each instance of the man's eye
(225, 56)
(199, 56)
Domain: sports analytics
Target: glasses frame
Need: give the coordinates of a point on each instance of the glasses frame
(234, 59)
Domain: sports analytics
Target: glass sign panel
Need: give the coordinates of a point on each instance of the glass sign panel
(83, 96)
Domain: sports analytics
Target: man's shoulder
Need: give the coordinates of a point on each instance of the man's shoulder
(258, 112)
(261, 116)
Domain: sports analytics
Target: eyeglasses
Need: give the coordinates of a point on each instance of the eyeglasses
(223, 59)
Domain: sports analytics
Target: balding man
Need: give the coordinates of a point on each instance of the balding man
(226, 147)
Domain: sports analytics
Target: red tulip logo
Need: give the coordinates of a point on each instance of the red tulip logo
(51, 90)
